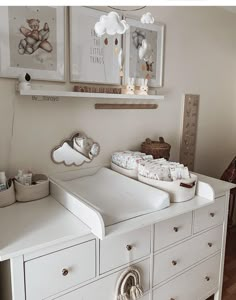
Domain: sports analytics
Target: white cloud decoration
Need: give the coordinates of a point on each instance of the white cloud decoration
(110, 24)
(147, 18)
(76, 150)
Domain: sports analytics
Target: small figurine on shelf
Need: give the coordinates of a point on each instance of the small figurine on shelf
(143, 89)
(129, 88)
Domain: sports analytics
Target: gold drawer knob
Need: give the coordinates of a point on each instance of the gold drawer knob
(174, 262)
(65, 272)
(207, 278)
(129, 247)
(176, 229)
(210, 245)
(212, 215)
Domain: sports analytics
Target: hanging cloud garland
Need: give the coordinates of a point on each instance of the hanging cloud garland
(111, 24)
(147, 18)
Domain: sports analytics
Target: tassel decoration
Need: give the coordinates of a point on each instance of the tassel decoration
(136, 292)
(131, 276)
(123, 297)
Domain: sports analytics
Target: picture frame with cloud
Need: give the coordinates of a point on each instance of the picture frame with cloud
(144, 52)
(93, 58)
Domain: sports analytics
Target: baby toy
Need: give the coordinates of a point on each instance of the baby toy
(129, 88)
(143, 89)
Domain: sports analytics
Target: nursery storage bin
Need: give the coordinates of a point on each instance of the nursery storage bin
(37, 191)
(179, 190)
(7, 197)
(129, 173)
(158, 149)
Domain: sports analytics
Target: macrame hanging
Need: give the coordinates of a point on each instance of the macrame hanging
(129, 285)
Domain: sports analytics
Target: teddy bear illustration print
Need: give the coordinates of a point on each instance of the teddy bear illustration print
(34, 37)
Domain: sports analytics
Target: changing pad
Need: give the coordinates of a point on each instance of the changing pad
(116, 197)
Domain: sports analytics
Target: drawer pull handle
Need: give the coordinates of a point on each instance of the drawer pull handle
(65, 272)
(176, 229)
(174, 262)
(172, 299)
(129, 247)
(212, 215)
(210, 245)
(207, 278)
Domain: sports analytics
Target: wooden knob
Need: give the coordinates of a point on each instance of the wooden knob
(207, 278)
(129, 247)
(174, 262)
(210, 245)
(65, 272)
(172, 299)
(176, 229)
(212, 215)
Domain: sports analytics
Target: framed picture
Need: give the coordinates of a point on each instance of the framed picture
(32, 41)
(92, 59)
(144, 37)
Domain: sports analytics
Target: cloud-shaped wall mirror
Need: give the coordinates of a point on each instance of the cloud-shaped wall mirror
(76, 150)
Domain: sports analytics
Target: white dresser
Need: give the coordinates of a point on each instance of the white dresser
(180, 258)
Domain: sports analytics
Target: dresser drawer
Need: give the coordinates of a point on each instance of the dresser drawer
(104, 289)
(210, 215)
(118, 251)
(195, 284)
(172, 230)
(60, 270)
(176, 259)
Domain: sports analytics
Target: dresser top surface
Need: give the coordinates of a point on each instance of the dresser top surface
(31, 226)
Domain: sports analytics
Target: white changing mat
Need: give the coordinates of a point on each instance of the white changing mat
(117, 197)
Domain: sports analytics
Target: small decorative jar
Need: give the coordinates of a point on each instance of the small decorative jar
(158, 149)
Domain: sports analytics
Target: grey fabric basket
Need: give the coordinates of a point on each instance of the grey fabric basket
(7, 197)
(25, 193)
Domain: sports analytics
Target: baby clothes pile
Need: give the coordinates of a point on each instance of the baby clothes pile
(161, 169)
(129, 159)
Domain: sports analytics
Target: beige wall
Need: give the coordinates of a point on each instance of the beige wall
(199, 58)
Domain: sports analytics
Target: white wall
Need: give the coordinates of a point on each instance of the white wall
(199, 58)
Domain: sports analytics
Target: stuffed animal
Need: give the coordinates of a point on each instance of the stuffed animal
(129, 88)
(143, 89)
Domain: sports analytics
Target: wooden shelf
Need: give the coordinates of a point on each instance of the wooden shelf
(51, 93)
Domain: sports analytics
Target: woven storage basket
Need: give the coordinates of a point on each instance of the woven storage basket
(158, 149)
(25, 193)
(7, 197)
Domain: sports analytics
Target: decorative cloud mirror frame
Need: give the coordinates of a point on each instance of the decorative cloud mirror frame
(75, 150)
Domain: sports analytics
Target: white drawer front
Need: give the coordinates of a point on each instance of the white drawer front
(47, 275)
(104, 289)
(178, 258)
(194, 284)
(210, 215)
(117, 251)
(172, 230)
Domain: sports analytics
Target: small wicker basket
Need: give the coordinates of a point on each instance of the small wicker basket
(158, 149)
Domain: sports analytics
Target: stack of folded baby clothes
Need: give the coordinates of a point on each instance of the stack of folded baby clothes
(161, 169)
(127, 162)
